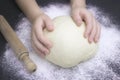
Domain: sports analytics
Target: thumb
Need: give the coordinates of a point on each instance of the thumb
(49, 24)
(77, 18)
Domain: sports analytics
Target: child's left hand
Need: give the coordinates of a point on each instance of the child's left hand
(93, 28)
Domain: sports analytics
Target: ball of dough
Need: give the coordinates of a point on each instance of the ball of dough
(69, 45)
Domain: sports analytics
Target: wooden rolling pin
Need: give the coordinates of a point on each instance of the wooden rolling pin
(15, 43)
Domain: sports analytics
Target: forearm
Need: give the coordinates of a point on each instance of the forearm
(30, 8)
(78, 3)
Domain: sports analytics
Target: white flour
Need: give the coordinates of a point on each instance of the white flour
(97, 68)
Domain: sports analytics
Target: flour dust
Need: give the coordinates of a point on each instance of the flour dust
(101, 67)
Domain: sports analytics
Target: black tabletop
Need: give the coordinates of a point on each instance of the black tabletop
(13, 14)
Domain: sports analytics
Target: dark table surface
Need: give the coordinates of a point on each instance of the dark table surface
(11, 12)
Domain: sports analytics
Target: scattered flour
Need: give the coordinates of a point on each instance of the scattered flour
(97, 68)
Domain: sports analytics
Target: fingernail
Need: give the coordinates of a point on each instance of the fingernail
(78, 22)
(51, 28)
(96, 40)
(42, 55)
(46, 52)
(85, 35)
(90, 40)
(50, 45)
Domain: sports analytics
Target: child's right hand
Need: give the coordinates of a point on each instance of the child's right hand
(39, 42)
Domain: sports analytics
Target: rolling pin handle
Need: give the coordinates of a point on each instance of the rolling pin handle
(15, 43)
(28, 62)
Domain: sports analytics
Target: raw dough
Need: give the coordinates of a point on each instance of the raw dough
(69, 45)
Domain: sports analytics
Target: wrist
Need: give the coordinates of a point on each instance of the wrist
(35, 16)
(78, 4)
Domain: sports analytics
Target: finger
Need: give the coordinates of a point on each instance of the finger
(39, 46)
(77, 18)
(35, 48)
(93, 31)
(98, 32)
(42, 38)
(87, 18)
(49, 24)
(39, 52)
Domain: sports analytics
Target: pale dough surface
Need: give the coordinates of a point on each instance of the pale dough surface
(69, 45)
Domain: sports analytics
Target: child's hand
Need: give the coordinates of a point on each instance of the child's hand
(40, 43)
(93, 29)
